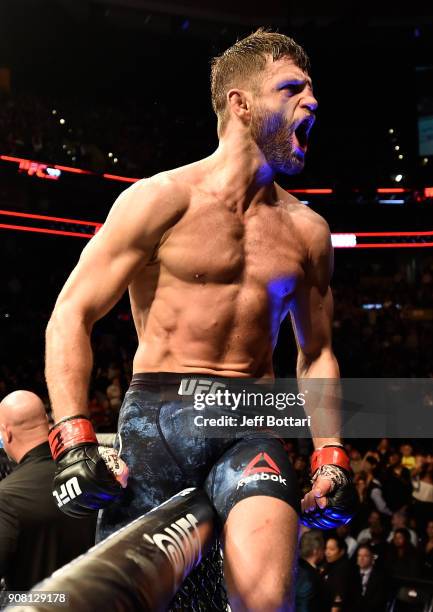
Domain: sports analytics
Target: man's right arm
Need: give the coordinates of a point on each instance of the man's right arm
(107, 265)
(89, 477)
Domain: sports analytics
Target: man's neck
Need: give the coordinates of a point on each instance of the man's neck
(26, 448)
(240, 174)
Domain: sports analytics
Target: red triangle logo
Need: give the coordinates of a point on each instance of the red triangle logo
(254, 468)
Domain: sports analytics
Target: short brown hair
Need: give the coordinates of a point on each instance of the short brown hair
(310, 542)
(245, 59)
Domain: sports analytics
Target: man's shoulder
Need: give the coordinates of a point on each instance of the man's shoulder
(308, 221)
(29, 475)
(175, 181)
(8, 492)
(155, 203)
(166, 185)
(27, 487)
(168, 193)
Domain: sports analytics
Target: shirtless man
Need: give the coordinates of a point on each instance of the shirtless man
(199, 248)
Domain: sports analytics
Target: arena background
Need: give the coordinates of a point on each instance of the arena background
(121, 89)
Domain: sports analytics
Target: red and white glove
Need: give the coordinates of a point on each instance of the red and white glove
(333, 500)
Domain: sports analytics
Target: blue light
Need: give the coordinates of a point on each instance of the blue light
(185, 25)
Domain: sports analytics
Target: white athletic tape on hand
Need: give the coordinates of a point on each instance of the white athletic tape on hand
(332, 473)
(117, 466)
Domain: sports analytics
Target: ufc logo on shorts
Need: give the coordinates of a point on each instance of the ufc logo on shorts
(190, 386)
(68, 491)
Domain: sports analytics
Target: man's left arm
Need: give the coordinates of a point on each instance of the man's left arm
(318, 375)
(311, 312)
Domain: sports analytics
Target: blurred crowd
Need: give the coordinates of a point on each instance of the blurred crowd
(390, 541)
(135, 138)
(383, 323)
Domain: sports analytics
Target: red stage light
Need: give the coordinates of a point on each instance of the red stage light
(125, 179)
(387, 245)
(10, 213)
(311, 190)
(40, 230)
(392, 190)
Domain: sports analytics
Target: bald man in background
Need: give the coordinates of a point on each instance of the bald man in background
(35, 537)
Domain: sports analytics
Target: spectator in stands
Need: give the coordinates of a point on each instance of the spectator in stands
(402, 558)
(428, 551)
(36, 538)
(407, 457)
(384, 449)
(364, 507)
(308, 583)
(369, 589)
(337, 577)
(365, 534)
(344, 532)
(356, 462)
(399, 520)
(312, 548)
(378, 542)
(397, 486)
(422, 493)
(374, 535)
(374, 485)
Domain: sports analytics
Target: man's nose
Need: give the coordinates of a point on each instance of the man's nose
(310, 102)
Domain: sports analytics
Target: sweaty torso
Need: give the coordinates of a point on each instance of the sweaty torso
(217, 287)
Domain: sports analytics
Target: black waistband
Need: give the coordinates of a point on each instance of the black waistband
(151, 379)
(187, 383)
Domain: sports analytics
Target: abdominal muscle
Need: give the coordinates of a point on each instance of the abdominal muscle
(217, 329)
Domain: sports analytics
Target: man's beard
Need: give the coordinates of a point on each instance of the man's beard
(274, 136)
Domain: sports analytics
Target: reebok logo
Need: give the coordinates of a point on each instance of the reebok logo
(262, 467)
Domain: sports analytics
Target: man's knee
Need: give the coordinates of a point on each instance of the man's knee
(260, 539)
(263, 595)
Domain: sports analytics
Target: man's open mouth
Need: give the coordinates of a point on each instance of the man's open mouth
(302, 132)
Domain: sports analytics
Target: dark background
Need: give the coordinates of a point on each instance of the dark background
(152, 61)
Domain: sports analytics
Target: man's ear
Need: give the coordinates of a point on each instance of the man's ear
(239, 104)
(5, 433)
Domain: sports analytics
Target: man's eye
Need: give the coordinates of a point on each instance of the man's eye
(292, 89)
